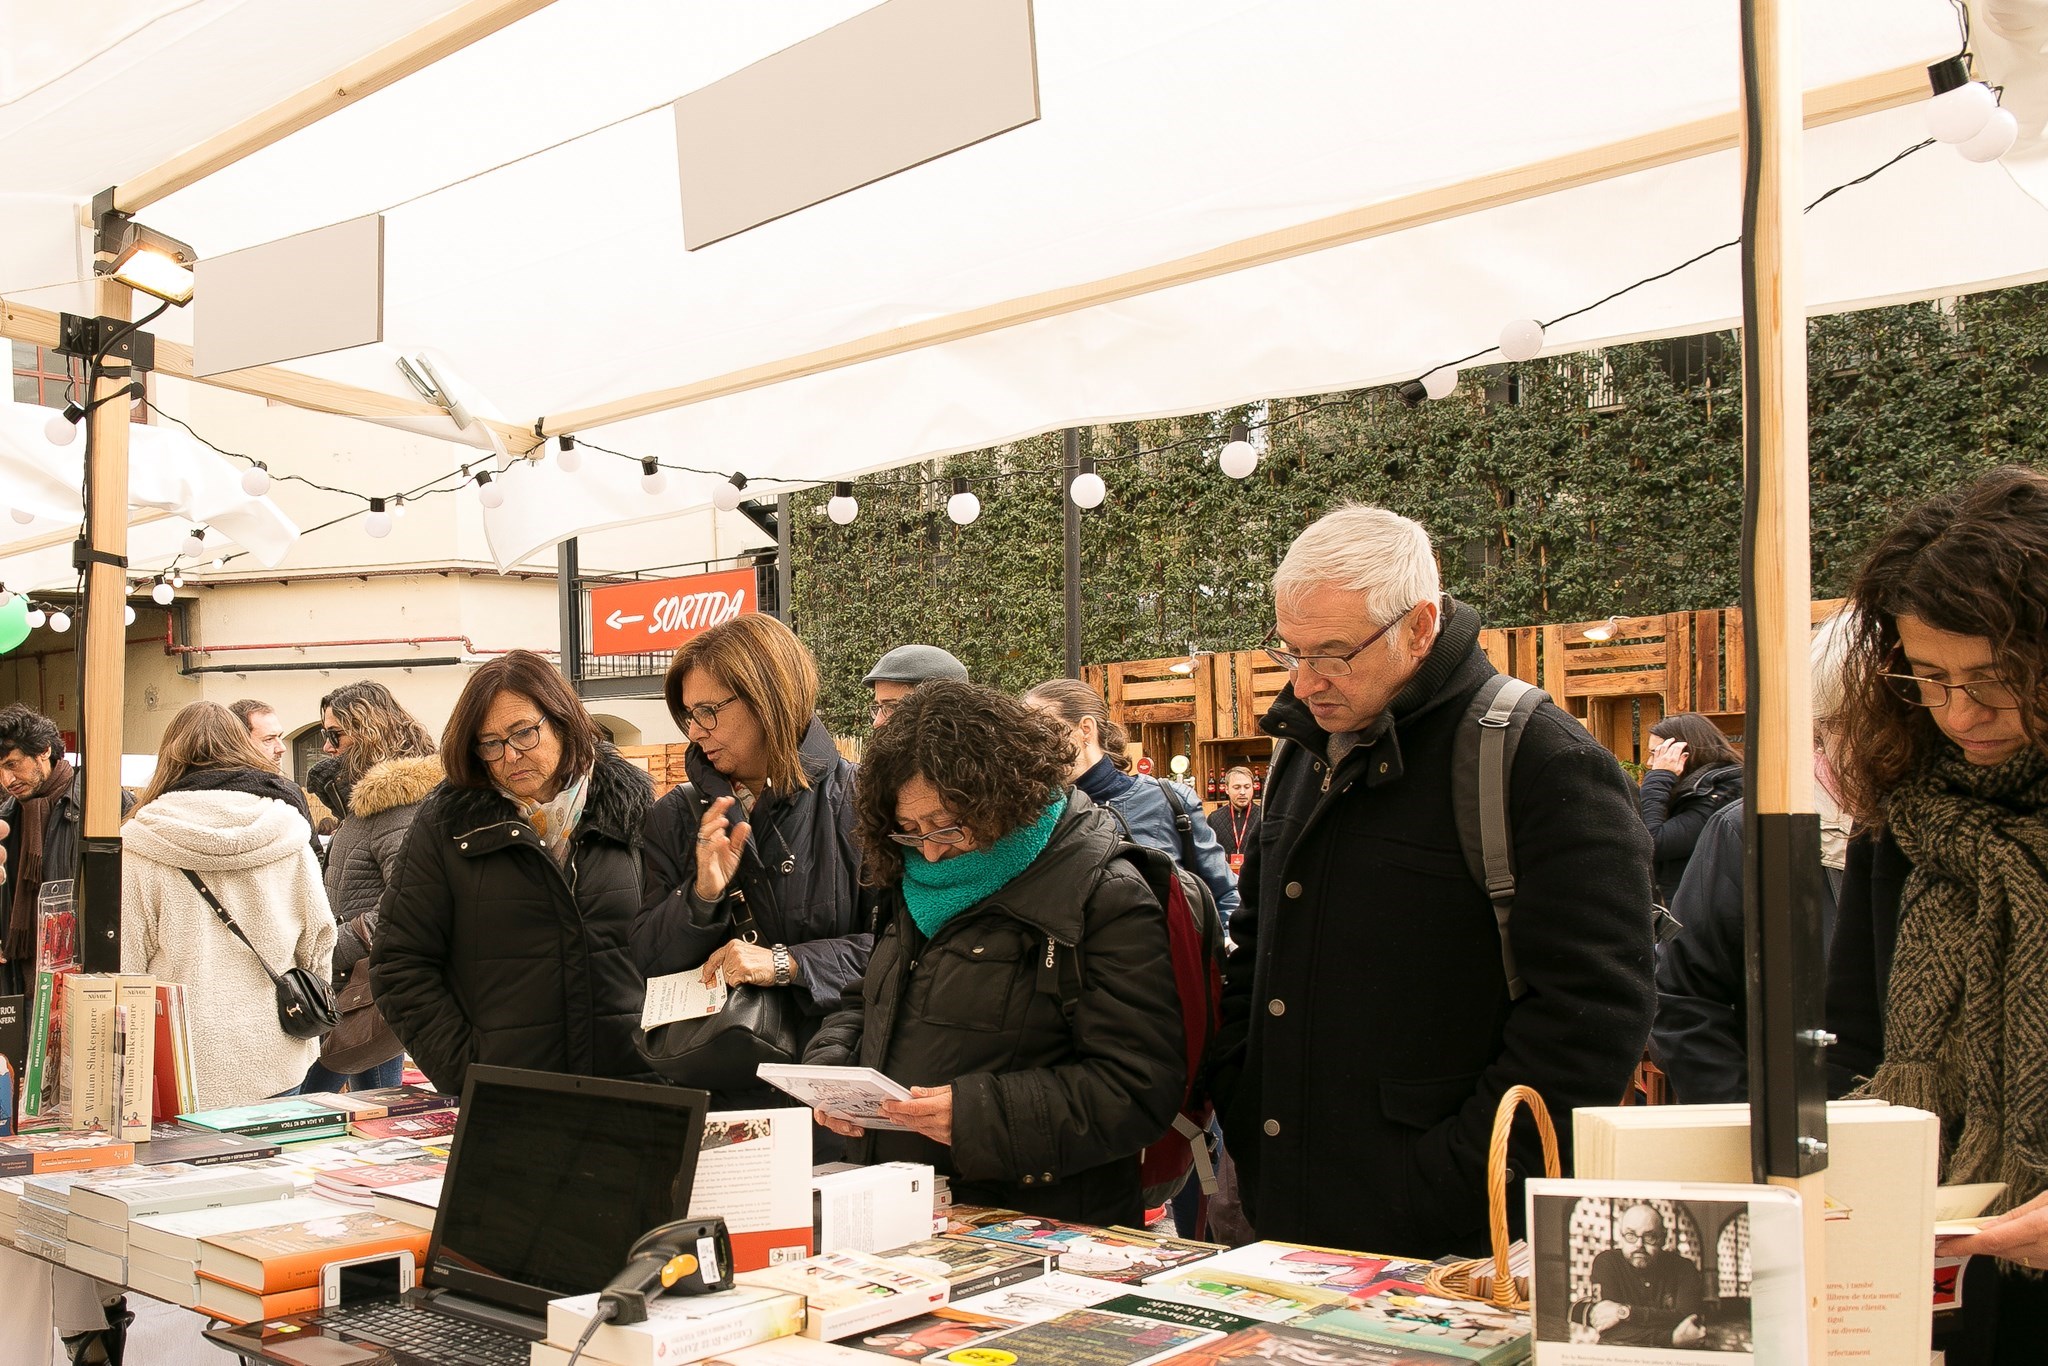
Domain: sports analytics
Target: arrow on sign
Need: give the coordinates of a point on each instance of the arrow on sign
(618, 623)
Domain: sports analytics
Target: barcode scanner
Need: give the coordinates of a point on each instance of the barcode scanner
(685, 1257)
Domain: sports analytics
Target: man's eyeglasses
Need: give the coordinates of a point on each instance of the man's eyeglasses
(885, 710)
(1653, 1237)
(1926, 692)
(521, 740)
(331, 735)
(1329, 666)
(950, 834)
(704, 716)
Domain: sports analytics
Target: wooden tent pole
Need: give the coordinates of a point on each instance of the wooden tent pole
(1781, 844)
(98, 892)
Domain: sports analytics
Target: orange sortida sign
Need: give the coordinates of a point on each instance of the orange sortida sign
(660, 614)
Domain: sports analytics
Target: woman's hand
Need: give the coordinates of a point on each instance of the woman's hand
(929, 1111)
(1666, 756)
(744, 965)
(718, 850)
(845, 1128)
(2018, 1235)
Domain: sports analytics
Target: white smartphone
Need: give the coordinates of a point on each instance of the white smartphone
(383, 1276)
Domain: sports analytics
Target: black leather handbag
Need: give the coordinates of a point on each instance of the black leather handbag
(305, 1010)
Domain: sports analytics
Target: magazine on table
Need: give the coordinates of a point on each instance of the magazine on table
(1657, 1273)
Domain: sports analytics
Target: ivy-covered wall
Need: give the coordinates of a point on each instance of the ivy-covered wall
(1557, 490)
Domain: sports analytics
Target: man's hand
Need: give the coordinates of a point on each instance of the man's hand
(1689, 1332)
(929, 1111)
(845, 1128)
(1606, 1314)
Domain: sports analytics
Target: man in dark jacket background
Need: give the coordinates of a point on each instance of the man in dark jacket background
(42, 799)
(1369, 1031)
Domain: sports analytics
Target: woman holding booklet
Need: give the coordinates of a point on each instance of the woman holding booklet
(1019, 984)
(1941, 948)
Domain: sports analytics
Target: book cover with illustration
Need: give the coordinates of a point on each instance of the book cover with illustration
(1125, 1255)
(1128, 1330)
(972, 1267)
(850, 1292)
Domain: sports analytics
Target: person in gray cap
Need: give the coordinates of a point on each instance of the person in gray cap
(902, 669)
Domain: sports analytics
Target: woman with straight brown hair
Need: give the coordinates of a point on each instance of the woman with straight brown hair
(503, 937)
(753, 870)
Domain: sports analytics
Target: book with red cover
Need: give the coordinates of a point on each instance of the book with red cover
(428, 1124)
(289, 1256)
(359, 1185)
(386, 1101)
(236, 1305)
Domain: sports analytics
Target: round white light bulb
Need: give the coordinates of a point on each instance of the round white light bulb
(194, 545)
(177, 580)
(1958, 115)
(60, 432)
(128, 614)
(255, 481)
(1521, 339)
(60, 622)
(35, 617)
(490, 495)
(569, 461)
(6, 595)
(1440, 382)
(1994, 140)
(21, 515)
(377, 525)
(163, 594)
(219, 562)
(963, 508)
(1238, 459)
(726, 497)
(1088, 490)
(654, 481)
(842, 510)
(398, 507)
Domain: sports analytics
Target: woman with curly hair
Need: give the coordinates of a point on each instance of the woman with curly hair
(1941, 945)
(1021, 987)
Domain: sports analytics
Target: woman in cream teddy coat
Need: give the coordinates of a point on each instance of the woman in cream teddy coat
(217, 808)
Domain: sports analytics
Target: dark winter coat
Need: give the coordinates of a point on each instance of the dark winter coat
(487, 950)
(61, 829)
(1701, 1038)
(1226, 833)
(1860, 958)
(1048, 1117)
(1676, 810)
(799, 876)
(1368, 1033)
(363, 859)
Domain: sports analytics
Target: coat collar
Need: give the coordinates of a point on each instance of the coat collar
(1452, 668)
(816, 753)
(394, 783)
(1052, 894)
(484, 819)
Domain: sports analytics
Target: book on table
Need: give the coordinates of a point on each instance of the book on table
(286, 1115)
(753, 1170)
(170, 1141)
(384, 1102)
(85, 1087)
(428, 1124)
(849, 1292)
(1126, 1255)
(358, 1185)
(1041, 1298)
(970, 1267)
(1128, 1330)
(785, 1351)
(866, 1209)
(941, 1330)
(679, 1328)
(177, 1237)
(168, 1189)
(59, 1151)
(237, 1305)
(289, 1256)
(412, 1203)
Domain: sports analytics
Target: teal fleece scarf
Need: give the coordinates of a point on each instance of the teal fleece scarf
(936, 892)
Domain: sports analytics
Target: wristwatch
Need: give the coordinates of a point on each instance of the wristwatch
(781, 952)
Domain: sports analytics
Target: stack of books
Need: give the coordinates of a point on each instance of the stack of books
(104, 1207)
(172, 1141)
(275, 1269)
(289, 1118)
(677, 1328)
(360, 1185)
(49, 1151)
(163, 1249)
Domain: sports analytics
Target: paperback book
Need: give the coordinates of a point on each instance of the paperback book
(288, 1115)
(850, 1292)
(1299, 1344)
(1041, 1298)
(171, 1141)
(942, 1330)
(679, 1328)
(971, 1267)
(1126, 1331)
(289, 1256)
(33, 1154)
(428, 1124)
(170, 1188)
(1125, 1255)
(177, 1237)
(854, 1093)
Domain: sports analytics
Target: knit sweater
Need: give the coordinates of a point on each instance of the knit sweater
(252, 852)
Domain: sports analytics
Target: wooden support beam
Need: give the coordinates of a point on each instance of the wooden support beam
(391, 63)
(69, 534)
(1701, 137)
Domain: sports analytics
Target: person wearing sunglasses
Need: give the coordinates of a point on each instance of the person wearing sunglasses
(752, 870)
(1940, 953)
(1360, 919)
(999, 884)
(504, 935)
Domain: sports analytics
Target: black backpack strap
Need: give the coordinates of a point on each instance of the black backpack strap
(206, 894)
(1183, 823)
(1483, 757)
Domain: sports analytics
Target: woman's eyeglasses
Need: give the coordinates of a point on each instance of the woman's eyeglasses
(332, 736)
(521, 740)
(1329, 666)
(1994, 693)
(704, 716)
(951, 834)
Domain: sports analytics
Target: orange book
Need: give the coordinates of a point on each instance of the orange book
(245, 1306)
(289, 1256)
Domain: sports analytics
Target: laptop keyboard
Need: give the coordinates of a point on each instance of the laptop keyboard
(436, 1337)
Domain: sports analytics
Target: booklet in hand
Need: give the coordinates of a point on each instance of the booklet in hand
(852, 1093)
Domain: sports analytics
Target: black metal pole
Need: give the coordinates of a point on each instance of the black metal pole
(1071, 573)
(569, 609)
(783, 511)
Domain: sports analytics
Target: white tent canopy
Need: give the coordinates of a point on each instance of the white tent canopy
(533, 222)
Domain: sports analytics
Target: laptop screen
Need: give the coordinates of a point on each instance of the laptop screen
(552, 1178)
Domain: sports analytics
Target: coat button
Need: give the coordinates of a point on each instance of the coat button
(1276, 1006)
(1383, 765)
(1272, 1127)
(977, 948)
(1294, 889)
(463, 845)
(1027, 1178)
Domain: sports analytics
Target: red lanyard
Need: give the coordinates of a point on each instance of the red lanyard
(1237, 832)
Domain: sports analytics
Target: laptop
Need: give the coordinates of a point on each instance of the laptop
(550, 1180)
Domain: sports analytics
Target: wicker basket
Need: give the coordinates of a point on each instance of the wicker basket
(1487, 1279)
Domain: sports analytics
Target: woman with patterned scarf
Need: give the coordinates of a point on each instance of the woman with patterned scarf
(1940, 959)
(1020, 987)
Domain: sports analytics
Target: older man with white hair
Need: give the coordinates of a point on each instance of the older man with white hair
(1370, 1023)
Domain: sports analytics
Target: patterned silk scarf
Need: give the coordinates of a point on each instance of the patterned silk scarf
(555, 821)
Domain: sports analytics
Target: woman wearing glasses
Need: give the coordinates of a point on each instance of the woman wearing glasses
(1019, 987)
(503, 937)
(388, 766)
(1941, 947)
(752, 868)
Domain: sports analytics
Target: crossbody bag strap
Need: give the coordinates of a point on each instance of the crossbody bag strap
(206, 893)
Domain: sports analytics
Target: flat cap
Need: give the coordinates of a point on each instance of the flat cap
(915, 664)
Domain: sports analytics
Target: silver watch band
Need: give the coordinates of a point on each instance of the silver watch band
(781, 953)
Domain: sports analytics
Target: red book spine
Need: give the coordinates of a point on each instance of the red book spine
(164, 1088)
